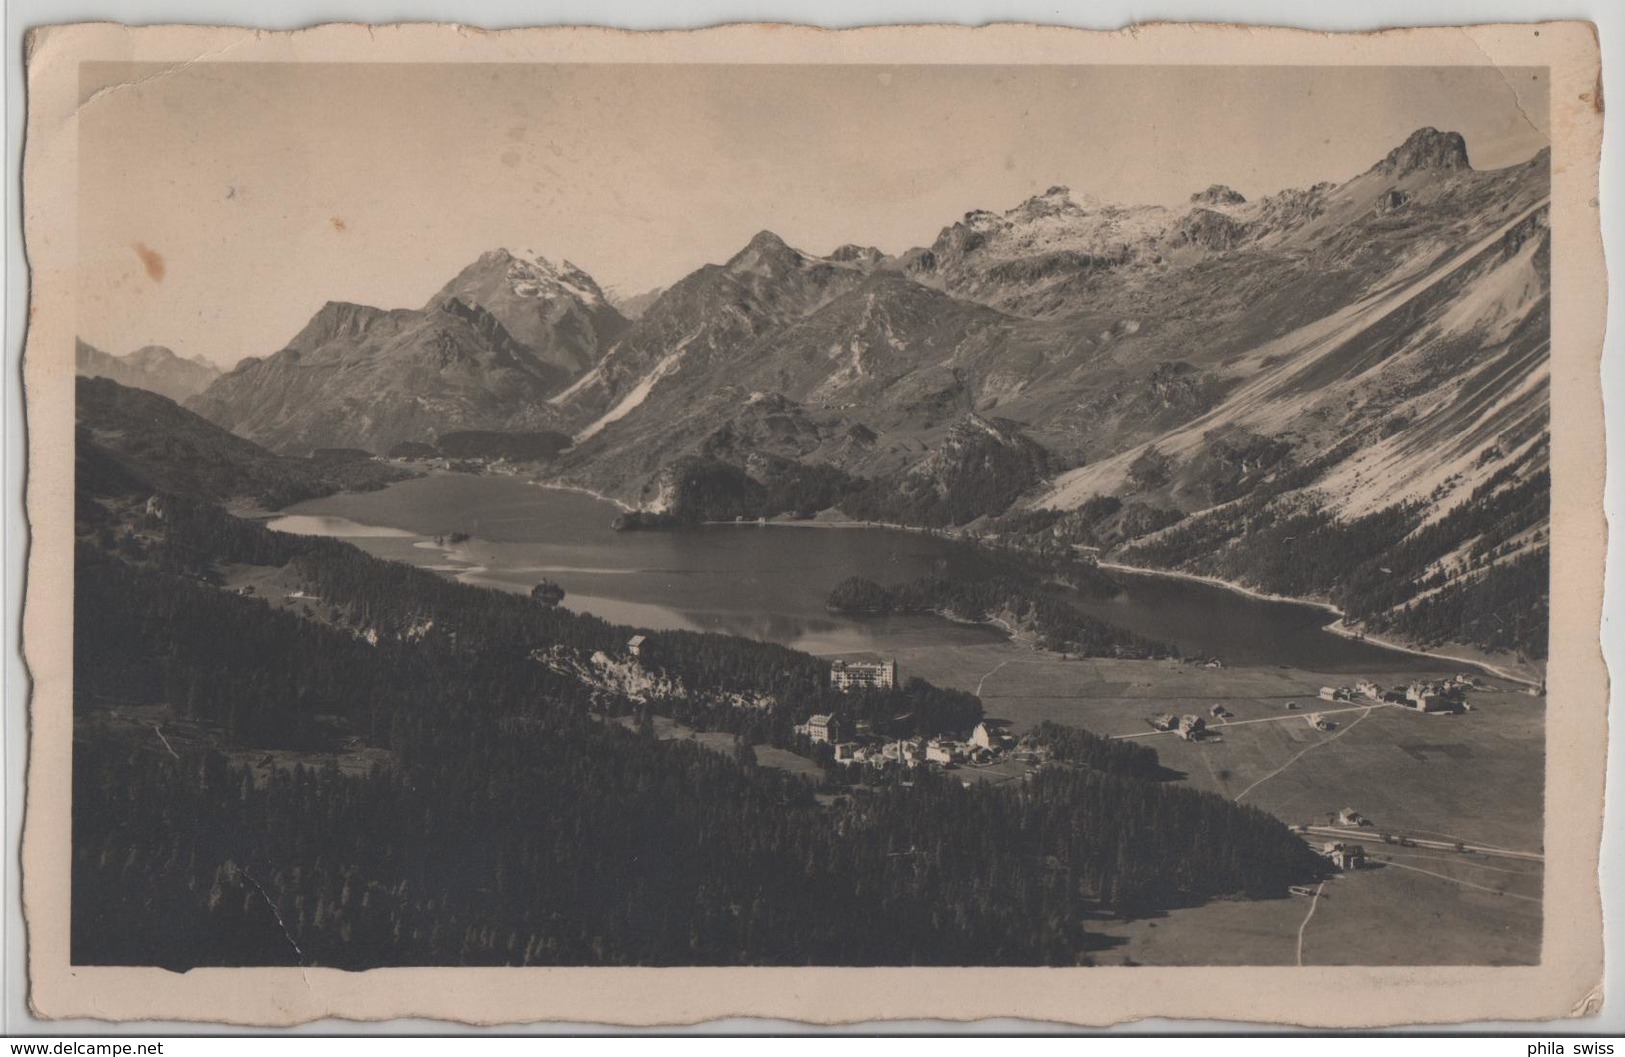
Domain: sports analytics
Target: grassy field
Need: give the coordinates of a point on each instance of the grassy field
(1387, 915)
(1476, 777)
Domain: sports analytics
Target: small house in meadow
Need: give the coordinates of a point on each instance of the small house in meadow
(1345, 856)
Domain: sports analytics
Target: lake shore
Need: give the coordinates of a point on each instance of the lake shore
(1338, 627)
(1228, 585)
(560, 486)
(831, 523)
(569, 538)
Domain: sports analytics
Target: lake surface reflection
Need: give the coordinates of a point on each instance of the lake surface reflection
(770, 582)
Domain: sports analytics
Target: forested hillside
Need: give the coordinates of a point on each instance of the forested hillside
(390, 768)
(152, 439)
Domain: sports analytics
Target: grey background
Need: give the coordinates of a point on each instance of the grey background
(1609, 15)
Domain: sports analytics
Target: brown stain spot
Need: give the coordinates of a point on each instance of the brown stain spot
(510, 159)
(338, 224)
(151, 260)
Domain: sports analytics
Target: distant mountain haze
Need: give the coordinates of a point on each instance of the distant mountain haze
(634, 305)
(151, 367)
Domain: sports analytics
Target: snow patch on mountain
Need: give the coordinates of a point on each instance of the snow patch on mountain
(639, 393)
(532, 275)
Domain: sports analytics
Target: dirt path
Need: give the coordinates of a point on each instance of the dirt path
(989, 673)
(1302, 752)
(1459, 860)
(156, 729)
(1314, 901)
(1302, 716)
(1464, 884)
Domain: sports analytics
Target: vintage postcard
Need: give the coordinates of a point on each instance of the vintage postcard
(917, 522)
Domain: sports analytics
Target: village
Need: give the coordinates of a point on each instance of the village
(1430, 697)
(995, 750)
(991, 751)
(989, 743)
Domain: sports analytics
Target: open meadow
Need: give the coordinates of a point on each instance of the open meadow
(1475, 778)
(1389, 914)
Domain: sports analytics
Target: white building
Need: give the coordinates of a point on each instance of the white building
(821, 729)
(847, 676)
(1428, 697)
(989, 736)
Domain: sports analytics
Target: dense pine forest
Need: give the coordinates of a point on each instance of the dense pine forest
(385, 774)
(1394, 557)
(1014, 596)
(709, 489)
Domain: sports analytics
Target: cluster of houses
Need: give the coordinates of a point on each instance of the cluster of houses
(985, 744)
(1191, 728)
(1344, 856)
(1442, 695)
(859, 747)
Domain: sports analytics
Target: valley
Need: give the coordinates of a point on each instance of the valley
(1140, 499)
(1473, 778)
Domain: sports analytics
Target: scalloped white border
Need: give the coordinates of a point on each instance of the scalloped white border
(1566, 981)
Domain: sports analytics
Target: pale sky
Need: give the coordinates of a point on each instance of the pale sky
(221, 205)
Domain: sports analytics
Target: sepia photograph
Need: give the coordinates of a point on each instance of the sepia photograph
(812, 514)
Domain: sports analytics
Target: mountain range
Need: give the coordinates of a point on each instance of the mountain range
(1399, 317)
(484, 353)
(1349, 348)
(151, 367)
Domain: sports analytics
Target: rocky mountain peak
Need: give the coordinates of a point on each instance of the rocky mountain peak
(853, 252)
(1426, 149)
(555, 309)
(1057, 201)
(529, 274)
(1218, 195)
(765, 254)
(152, 355)
(335, 319)
(765, 241)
